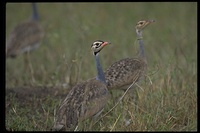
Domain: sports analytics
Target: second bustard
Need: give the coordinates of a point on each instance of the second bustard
(86, 99)
(26, 36)
(124, 72)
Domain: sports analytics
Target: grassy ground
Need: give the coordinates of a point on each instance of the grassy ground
(168, 104)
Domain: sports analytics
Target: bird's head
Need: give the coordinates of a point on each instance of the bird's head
(98, 45)
(142, 24)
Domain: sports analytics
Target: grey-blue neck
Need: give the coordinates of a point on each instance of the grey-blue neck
(35, 15)
(100, 74)
(141, 43)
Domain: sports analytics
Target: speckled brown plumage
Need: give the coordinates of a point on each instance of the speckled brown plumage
(24, 38)
(84, 100)
(124, 72)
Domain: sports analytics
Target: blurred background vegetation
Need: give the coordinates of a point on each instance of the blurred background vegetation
(64, 57)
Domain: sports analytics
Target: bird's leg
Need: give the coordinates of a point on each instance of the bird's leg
(91, 124)
(131, 98)
(29, 66)
(94, 119)
(136, 98)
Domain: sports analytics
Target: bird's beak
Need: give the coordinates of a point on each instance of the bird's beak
(151, 21)
(105, 43)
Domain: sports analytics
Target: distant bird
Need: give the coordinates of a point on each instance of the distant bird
(124, 72)
(86, 99)
(26, 36)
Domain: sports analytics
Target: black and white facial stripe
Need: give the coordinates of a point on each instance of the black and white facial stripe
(97, 46)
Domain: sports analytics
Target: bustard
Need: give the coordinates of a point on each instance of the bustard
(26, 36)
(126, 71)
(85, 99)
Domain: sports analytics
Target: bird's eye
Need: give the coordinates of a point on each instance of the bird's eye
(141, 23)
(98, 44)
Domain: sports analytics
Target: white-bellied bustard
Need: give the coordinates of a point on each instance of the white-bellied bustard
(124, 72)
(84, 100)
(25, 37)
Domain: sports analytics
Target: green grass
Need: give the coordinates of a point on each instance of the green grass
(168, 104)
